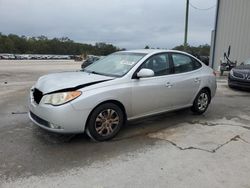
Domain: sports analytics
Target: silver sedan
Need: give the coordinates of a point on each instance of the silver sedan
(123, 86)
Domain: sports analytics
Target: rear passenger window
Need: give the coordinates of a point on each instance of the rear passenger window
(197, 64)
(183, 63)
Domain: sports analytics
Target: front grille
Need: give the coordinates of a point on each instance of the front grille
(37, 94)
(39, 120)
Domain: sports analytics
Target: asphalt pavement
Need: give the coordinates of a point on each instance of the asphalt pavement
(176, 149)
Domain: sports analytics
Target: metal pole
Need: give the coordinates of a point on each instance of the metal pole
(186, 25)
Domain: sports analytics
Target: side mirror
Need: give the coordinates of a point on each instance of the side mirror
(144, 73)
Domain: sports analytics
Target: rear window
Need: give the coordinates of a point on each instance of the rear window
(196, 64)
(184, 63)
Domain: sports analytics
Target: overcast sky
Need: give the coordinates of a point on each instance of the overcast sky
(125, 23)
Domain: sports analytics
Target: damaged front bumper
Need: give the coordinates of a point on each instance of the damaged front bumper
(60, 119)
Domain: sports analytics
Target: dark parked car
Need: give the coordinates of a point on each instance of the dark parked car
(204, 59)
(89, 61)
(239, 76)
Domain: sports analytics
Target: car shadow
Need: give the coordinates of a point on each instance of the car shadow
(139, 127)
(241, 89)
(144, 126)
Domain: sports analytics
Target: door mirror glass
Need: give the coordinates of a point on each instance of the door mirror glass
(144, 73)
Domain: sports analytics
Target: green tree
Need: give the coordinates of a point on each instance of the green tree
(42, 45)
(201, 50)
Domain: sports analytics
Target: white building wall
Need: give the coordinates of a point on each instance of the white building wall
(233, 29)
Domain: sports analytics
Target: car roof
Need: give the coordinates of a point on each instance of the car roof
(153, 51)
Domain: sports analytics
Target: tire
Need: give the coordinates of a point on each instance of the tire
(105, 122)
(201, 102)
(221, 73)
(229, 84)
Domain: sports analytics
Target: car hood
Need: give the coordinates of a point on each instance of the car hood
(242, 67)
(68, 81)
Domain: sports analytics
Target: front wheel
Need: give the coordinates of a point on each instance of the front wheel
(201, 102)
(105, 122)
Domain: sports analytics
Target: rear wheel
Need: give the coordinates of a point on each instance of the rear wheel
(105, 122)
(201, 102)
(229, 84)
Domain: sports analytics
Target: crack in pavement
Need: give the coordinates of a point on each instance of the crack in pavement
(210, 124)
(235, 138)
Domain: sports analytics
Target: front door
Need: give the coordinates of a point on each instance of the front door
(151, 95)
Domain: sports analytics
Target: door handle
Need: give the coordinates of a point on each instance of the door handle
(197, 80)
(168, 85)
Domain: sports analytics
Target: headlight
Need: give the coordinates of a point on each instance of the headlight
(60, 98)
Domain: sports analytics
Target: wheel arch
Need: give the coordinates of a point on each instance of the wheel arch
(116, 102)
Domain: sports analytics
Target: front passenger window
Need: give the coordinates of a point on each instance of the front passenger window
(159, 64)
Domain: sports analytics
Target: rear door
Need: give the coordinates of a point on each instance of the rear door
(186, 79)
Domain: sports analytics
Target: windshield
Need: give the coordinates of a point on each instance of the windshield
(116, 64)
(247, 62)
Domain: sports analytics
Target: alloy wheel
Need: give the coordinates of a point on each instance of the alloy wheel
(106, 122)
(202, 101)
